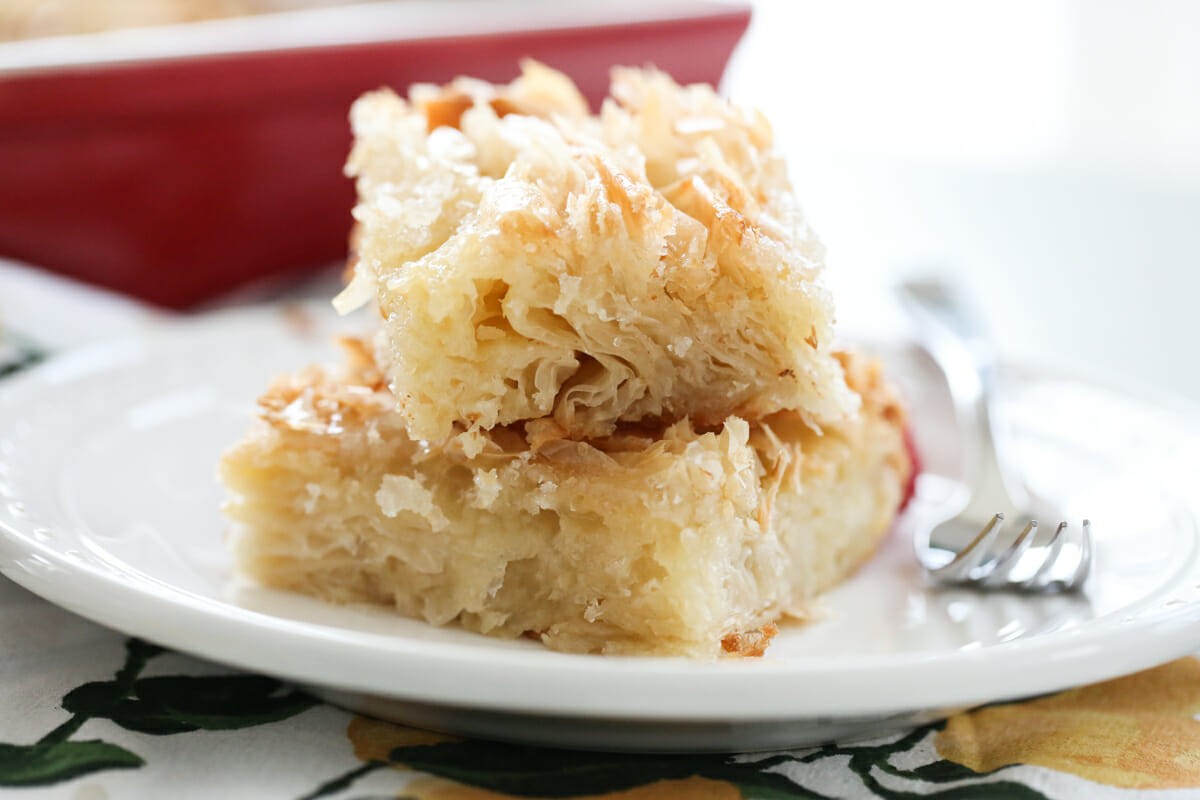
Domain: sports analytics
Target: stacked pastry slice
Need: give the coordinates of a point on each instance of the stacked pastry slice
(603, 408)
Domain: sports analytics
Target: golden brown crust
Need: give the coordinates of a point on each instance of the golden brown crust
(865, 376)
(880, 400)
(316, 401)
(749, 644)
(446, 108)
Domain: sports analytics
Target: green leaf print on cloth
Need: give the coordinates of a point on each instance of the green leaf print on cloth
(494, 771)
(537, 772)
(182, 703)
(51, 762)
(158, 706)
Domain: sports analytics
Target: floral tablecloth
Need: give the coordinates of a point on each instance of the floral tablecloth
(88, 714)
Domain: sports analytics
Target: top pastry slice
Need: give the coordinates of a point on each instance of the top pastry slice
(533, 260)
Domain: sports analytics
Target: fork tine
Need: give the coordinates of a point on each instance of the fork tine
(1041, 579)
(1002, 570)
(959, 569)
(1084, 567)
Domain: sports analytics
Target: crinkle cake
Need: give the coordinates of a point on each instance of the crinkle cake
(666, 540)
(603, 408)
(531, 260)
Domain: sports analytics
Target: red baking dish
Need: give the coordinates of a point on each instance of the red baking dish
(174, 164)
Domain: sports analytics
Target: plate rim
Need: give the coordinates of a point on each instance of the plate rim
(622, 688)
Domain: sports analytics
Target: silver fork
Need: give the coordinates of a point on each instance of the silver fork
(962, 549)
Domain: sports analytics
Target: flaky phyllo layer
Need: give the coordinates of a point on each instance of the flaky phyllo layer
(675, 540)
(532, 260)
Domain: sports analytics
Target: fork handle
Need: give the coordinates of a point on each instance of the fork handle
(947, 327)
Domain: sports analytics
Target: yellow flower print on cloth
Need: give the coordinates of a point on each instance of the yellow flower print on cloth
(1137, 732)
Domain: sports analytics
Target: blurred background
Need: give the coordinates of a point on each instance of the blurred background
(1046, 153)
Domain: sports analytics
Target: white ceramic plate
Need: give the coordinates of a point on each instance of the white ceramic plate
(109, 507)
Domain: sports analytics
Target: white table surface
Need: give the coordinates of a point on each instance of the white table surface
(1047, 154)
